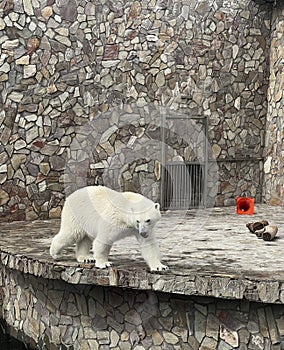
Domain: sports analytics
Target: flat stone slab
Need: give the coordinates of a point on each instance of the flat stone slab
(210, 253)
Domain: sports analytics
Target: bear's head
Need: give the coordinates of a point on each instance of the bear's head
(144, 220)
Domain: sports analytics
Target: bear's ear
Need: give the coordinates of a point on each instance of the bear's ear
(157, 206)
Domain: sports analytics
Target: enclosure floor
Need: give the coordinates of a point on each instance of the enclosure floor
(209, 252)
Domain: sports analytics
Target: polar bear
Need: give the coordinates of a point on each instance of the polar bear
(100, 216)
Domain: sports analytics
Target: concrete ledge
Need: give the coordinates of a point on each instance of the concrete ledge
(210, 253)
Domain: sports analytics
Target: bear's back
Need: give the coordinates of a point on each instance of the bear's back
(104, 199)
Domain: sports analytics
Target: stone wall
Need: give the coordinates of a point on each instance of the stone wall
(274, 171)
(52, 314)
(67, 63)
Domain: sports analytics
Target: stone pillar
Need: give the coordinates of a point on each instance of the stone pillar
(274, 146)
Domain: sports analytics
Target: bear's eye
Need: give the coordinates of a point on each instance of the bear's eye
(138, 222)
(148, 220)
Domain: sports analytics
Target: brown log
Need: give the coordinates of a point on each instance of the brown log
(259, 233)
(256, 226)
(270, 232)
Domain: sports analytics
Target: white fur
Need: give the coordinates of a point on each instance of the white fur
(100, 216)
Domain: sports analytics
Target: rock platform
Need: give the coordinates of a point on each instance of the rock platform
(210, 253)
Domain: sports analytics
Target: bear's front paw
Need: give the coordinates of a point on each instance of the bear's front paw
(85, 259)
(160, 267)
(103, 264)
(55, 256)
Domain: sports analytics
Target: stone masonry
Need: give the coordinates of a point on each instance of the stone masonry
(55, 315)
(273, 167)
(64, 64)
(84, 88)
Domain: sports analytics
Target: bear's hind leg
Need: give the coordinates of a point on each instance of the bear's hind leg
(59, 242)
(101, 252)
(83, 250)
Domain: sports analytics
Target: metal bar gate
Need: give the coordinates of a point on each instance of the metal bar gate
(184, 184)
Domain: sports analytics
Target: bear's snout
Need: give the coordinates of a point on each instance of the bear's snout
(144, 234)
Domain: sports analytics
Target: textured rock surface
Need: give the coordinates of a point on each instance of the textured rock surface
(64, 65)
(206, 301)
(274, 184)
(210, 253)
(53, 314)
